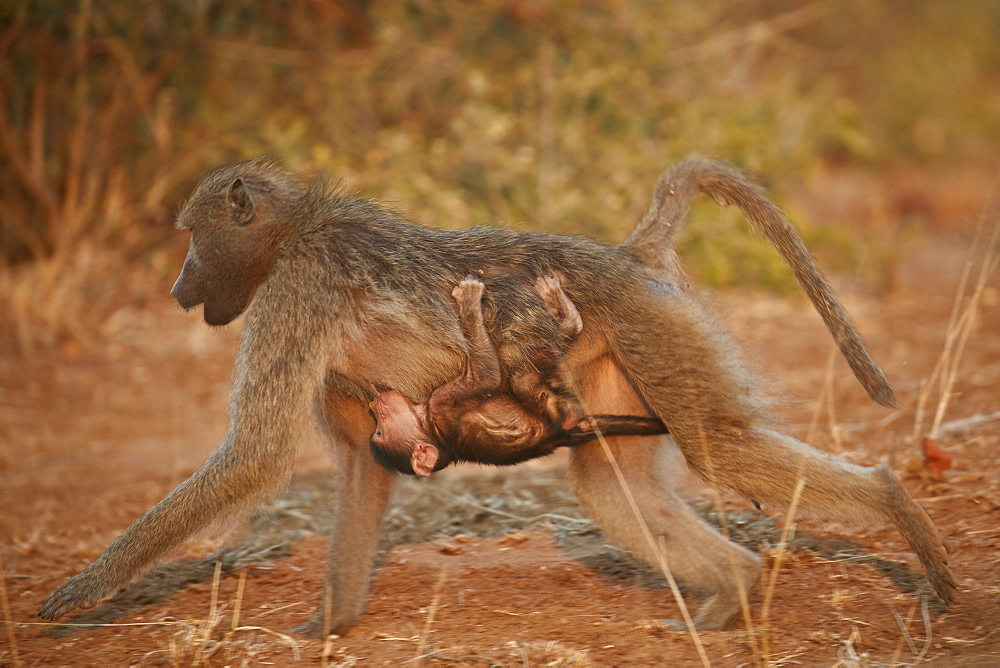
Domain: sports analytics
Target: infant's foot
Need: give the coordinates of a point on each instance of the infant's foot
(559, 306)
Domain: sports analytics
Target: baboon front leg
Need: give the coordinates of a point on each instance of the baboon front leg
(270, 404)
(696, 554)
(224, 484)
(361, 497)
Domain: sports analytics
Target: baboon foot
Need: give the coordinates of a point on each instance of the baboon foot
(923, 537)
(716, 612)
(722, 605)
(559, 306)
(313, 628)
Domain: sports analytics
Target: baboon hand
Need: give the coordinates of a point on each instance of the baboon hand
(84, 590)
(314, 627)
(469, 291)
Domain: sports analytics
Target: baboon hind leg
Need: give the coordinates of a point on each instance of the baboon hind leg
(694, 384)
(698, 555)
(361, 497)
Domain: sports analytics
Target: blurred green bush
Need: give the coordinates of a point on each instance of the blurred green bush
(546, 115)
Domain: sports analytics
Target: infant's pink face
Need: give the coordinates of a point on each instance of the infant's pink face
(400, 440)
(397, 420)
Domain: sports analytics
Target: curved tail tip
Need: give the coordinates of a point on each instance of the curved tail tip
(883, 395)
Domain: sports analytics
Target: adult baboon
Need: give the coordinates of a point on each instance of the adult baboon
(345, 300)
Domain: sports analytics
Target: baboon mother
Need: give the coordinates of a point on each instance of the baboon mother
(344, 300)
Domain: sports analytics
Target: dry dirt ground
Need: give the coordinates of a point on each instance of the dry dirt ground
(495, 567)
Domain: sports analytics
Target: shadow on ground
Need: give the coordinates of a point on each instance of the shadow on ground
(484, 507)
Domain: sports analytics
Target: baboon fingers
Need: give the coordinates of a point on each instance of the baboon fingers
(469, 290)
(77, 592)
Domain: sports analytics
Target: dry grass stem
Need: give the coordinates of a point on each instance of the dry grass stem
(328, 638)
(848, 656)
(327, 649)
(284, 607)
(761, 31)
(928, 630)
(239, 600)
(431, 613)
(656, 545)
(905, 632)
(8, 620)
(779, 558)
(286, 639)
(826, 398)
(213, 611)
(964, 328)
(829, 389)
(961, 322)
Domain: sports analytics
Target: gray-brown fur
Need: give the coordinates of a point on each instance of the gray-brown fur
(652, 241)
(347, 300)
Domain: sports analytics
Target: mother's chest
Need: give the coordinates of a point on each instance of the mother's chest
(391, 346)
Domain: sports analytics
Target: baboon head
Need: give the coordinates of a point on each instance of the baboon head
(238, 216)
(401, 441)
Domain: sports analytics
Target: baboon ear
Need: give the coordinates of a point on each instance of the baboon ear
(424, 458)
(240, 203)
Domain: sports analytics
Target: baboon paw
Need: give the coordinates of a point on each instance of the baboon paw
(559, 306)
(675, 625)
(469, 290)
(939, 574)
(943, 581)
(80, 591)
(549, 288)
(548, 283)
(314, 628)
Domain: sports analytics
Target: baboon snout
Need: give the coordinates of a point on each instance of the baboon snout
(182, 292)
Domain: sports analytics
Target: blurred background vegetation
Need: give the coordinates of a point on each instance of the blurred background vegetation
(550, 115)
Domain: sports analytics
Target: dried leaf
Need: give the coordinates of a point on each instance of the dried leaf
(935, 458)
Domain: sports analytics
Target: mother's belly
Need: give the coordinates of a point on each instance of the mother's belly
(599, 380)
(409, 365)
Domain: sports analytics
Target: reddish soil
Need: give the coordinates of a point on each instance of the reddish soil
(89, 440)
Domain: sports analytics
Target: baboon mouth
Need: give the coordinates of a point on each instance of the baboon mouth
(217, 317)
(217, 320)
(186, 303)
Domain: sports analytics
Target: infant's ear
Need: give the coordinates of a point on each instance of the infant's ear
(424, 458)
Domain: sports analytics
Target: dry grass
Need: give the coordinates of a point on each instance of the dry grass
(199, 642)
(15, 657)
(985, 248)
(418, 660)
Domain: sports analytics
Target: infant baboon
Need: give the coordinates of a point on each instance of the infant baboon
(345, 299)
(474, 418)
